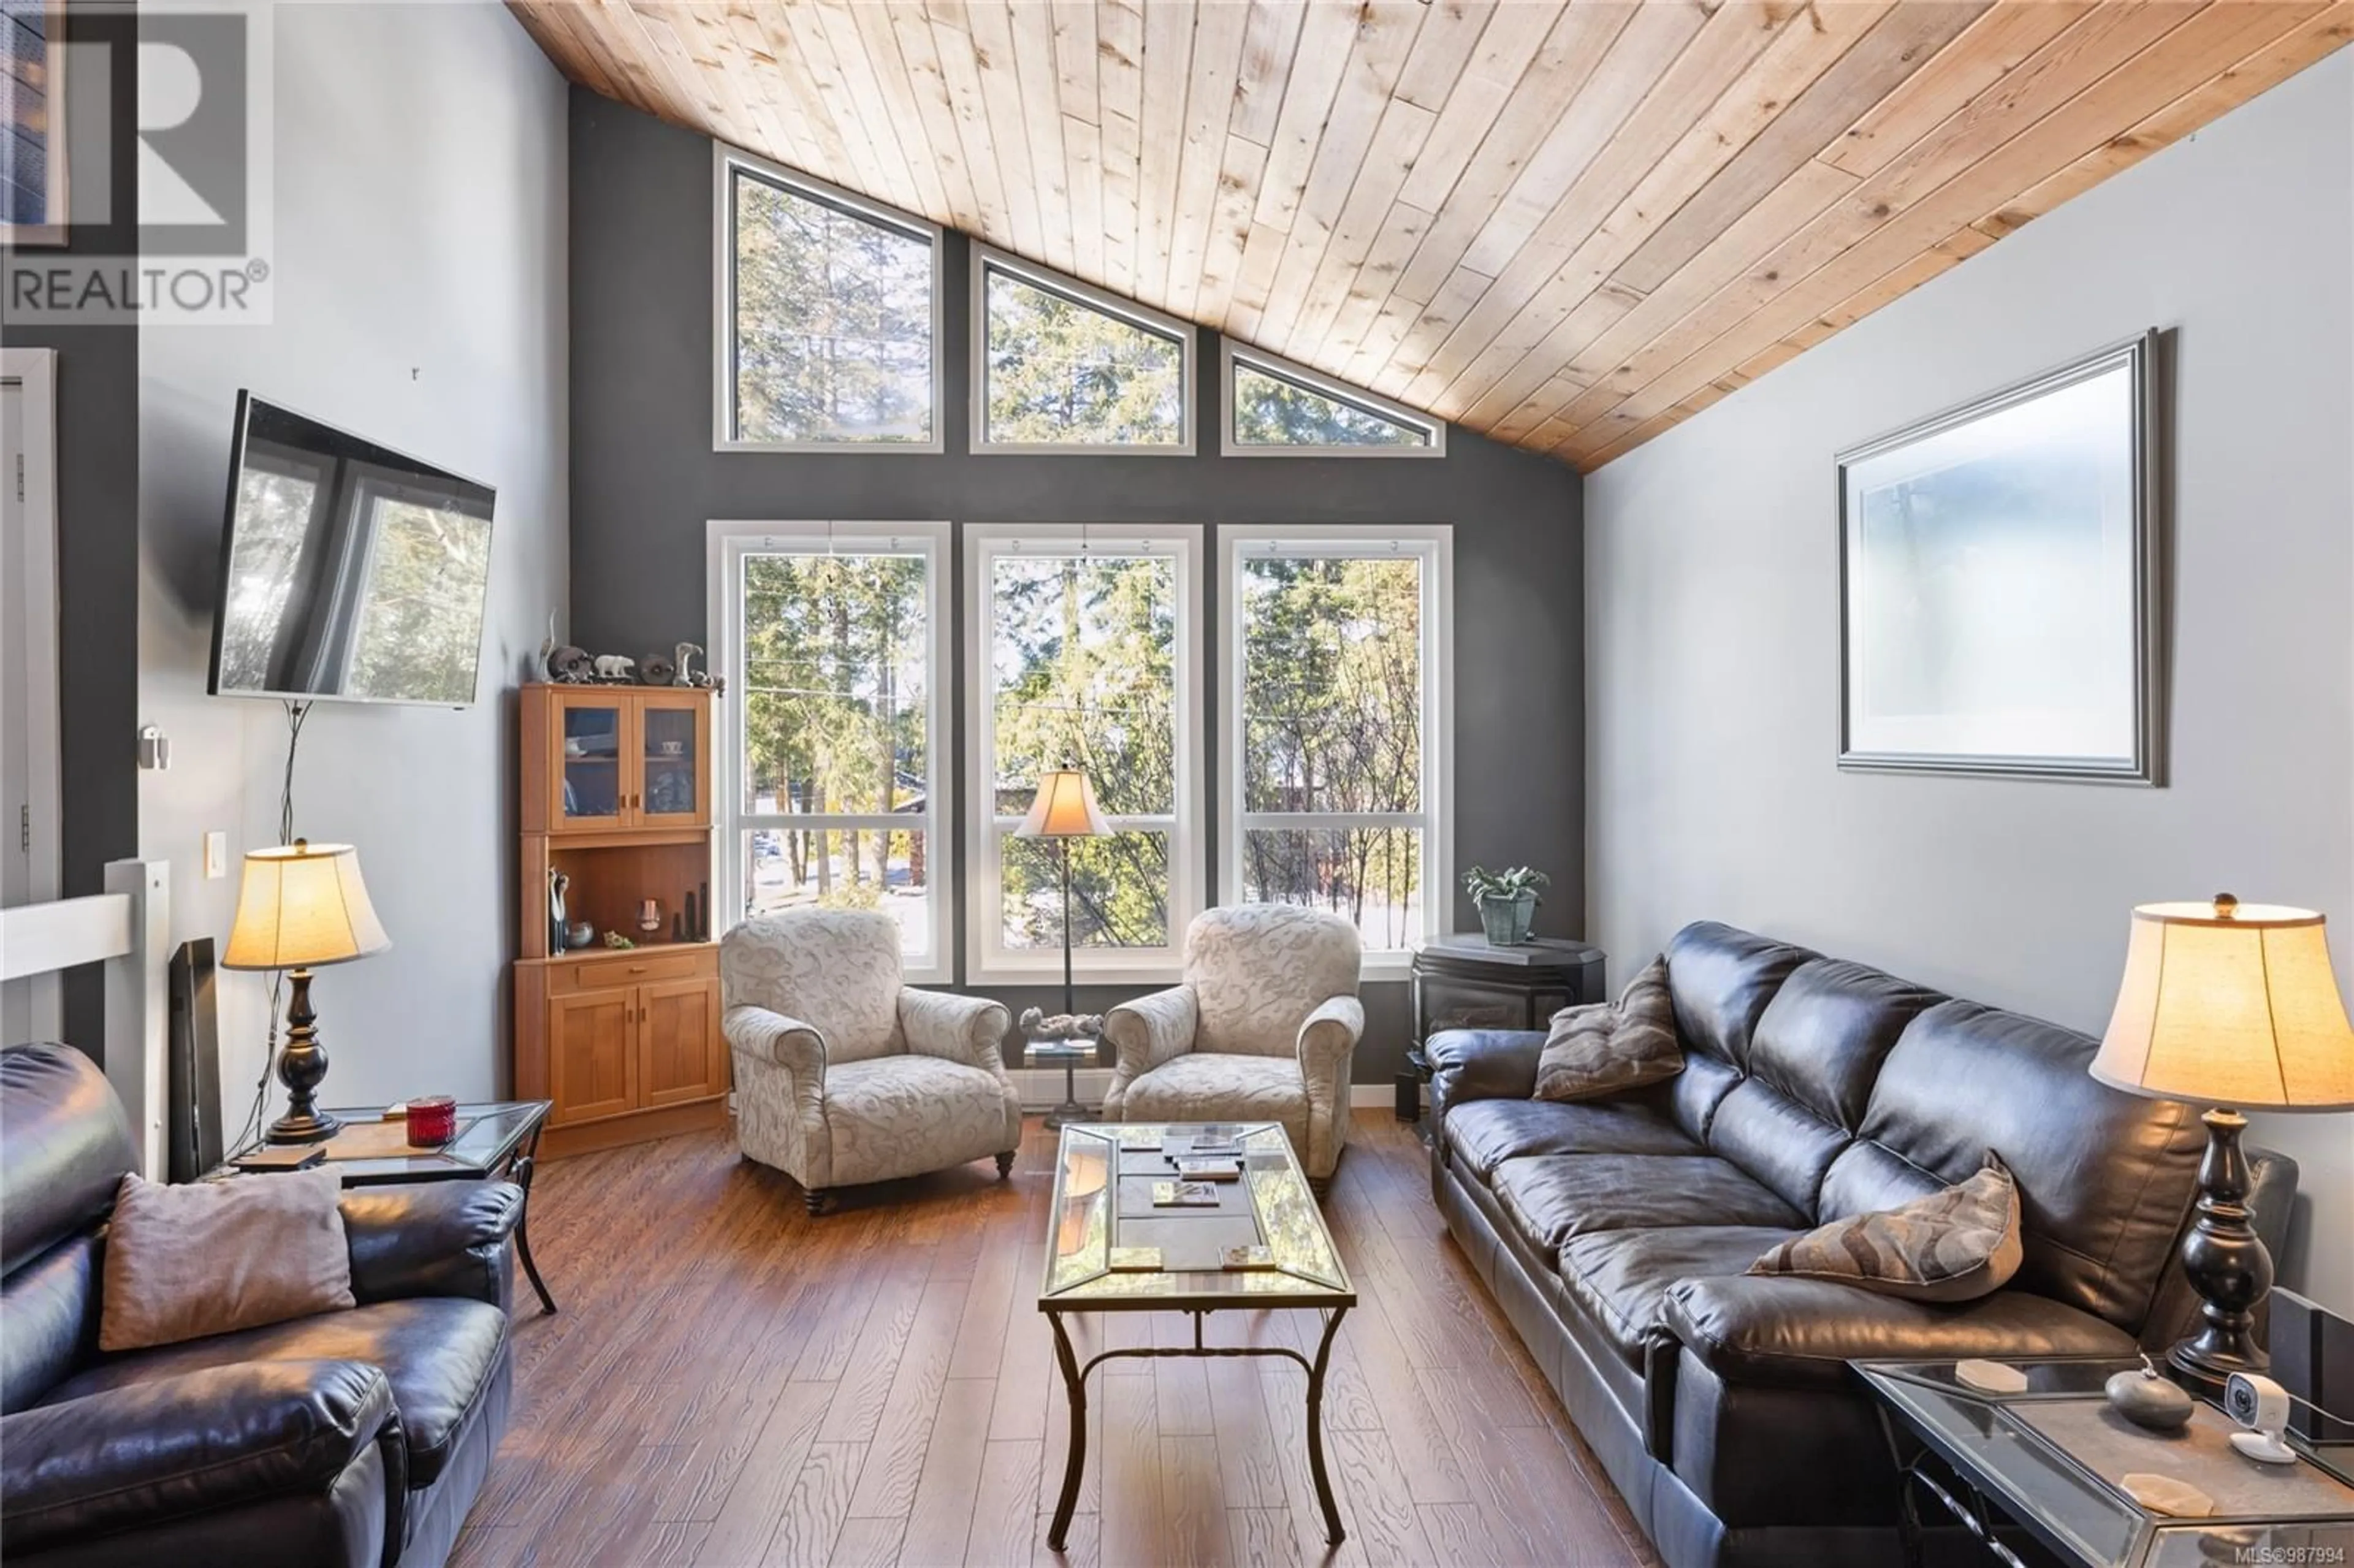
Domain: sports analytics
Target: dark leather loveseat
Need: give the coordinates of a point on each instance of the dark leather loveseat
(356, 1437)
(1615, 1234)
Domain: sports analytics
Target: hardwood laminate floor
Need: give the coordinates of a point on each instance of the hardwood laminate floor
(733, 1383)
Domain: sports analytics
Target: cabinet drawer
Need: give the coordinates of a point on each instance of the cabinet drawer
(625, 968)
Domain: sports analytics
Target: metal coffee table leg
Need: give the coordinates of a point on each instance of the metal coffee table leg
(1076, 1382)
(1333, 1533)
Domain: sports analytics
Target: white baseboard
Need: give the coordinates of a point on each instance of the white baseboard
(1042, 1088)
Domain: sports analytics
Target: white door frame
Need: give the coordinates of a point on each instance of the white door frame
(30, 588)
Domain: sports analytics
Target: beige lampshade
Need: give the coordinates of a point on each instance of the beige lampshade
(1064, 809)
(302, 904)
(2230, 1004)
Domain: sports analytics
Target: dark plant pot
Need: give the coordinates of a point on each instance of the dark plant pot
(1507, 920)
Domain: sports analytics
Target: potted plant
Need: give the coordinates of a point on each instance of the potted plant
(1507, 901)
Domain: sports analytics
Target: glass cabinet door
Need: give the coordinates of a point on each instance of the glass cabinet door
(590, 788)
(674, 790)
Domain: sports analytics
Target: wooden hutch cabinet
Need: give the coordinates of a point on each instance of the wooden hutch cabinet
(617, 798)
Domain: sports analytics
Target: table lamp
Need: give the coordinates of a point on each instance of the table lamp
(1065, 809)
(301, 905)
(2226, 1005)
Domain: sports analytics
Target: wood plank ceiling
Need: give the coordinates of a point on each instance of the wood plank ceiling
(1569, 226)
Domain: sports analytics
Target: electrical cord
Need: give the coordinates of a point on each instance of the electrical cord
(295, 713)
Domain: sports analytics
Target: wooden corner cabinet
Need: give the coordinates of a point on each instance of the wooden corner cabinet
(624, 1042)
(600, 758)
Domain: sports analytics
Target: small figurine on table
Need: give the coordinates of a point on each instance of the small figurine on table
(1036, 1026)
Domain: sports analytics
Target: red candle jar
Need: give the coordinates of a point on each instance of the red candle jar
(433, 1119)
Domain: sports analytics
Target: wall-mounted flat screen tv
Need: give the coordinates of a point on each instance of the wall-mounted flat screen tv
(348, 571)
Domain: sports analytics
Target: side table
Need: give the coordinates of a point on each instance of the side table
(2037, 1477)
(495, 1140)
(1070, 1056)
(1461, 982)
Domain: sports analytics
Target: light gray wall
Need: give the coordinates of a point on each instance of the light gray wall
(645, 481)
(420, 277)
(1712, 617)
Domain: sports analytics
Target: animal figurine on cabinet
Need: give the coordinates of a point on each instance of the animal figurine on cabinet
(614, 666)
(558, 883)
(682, 658)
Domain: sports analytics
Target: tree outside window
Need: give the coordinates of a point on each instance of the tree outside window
(1276, 408)
(1083, 673)
(1060, 371)
(835, 749)
(1331, 739)
(1272, 412)
(830, 317)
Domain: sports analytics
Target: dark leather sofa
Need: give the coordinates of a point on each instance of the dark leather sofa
(1615, 1234)
(356, 1437)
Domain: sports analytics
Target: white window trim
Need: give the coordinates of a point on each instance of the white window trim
(988, 962)
(726, 160)
(1230, 353)
(727, 543)
(987, 259)
(1435, 545)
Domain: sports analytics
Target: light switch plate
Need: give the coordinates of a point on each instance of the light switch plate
(215, 855)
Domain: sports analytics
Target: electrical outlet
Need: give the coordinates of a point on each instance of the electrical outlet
(216, 856)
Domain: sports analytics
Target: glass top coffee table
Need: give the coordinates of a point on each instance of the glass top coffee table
(1253, 1241)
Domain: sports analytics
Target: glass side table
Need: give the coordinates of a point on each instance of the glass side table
(1070, 1056)
(2037, 1475)
(495, 1139)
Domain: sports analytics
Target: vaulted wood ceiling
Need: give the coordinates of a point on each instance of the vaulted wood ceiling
(1569, 226)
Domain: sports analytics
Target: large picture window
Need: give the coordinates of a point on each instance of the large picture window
(833, 742)
(1080, 653)
(827, 311)
(1335, 746)
(1276, 408)
(1058, 366)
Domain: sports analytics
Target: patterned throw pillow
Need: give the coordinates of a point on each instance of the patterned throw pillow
(1956, 1244)
(1606, 1049)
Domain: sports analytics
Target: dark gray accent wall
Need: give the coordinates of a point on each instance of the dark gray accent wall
(645, 481)
(97, 530)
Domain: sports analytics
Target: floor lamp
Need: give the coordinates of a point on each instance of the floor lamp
(1065, 809)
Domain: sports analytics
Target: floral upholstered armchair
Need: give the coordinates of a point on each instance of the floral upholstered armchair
(843, 1074)
(1261, 1030)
